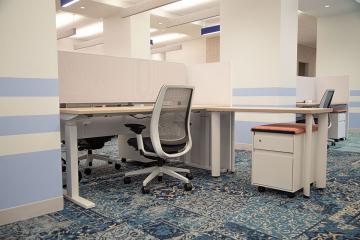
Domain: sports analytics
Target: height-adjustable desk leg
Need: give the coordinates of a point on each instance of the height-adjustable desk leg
(308, 155)
(215, 144)
(321, 153)
(72, 178)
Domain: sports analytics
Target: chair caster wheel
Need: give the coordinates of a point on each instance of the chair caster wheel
(189, 176)
(261, 189)
(145, 190)
(291, 195)
(188, 186)
(160, 178)
(117, 166)
(90, 164)
(87, 171)
(127, 180)
(79, 176)
(109, 162)
(123, 160)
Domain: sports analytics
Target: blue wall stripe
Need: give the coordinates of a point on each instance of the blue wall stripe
(264, 91)
(355, 93)
(354, 121)
(23, 87)
(30, 177)
(354, 104)
(29, 124)
(211, 29)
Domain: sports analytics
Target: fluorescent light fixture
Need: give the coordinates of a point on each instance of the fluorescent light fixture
(89, 30)
(167, 37)
(65, 18)
(184, 4)
(327, 6)
(66, 3)
(82, 7)
(152, 30)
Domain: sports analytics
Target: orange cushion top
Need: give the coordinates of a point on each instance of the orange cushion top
(339, 110)
(290, 128)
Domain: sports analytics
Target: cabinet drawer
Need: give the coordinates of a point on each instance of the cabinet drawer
(274, 142)
(272, 169)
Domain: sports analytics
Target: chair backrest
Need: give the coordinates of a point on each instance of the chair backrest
(327, 98)
(170, 121)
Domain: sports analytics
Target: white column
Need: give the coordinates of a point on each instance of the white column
(127, 37)
(259, 39)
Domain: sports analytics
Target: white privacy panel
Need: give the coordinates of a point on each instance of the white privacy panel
(212, 83)
(90, 78)
(339, 83)
(305, 88)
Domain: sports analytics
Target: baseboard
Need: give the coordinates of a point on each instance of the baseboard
(354, 130)
(23, 212)
(243, 146)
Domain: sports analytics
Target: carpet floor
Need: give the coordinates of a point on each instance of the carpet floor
(228, 207)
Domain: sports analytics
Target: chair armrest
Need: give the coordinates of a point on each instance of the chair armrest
(136, 128)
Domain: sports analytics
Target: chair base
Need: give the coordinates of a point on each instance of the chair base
(159, 171)
(89, 161)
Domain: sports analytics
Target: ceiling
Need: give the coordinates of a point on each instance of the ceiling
(87, 12)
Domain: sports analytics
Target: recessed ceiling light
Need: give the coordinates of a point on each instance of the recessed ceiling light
(160, 23)
(183, 4)
(153, 30)
(327, 6)
(82, 7)
(65, 18)
(167, 37)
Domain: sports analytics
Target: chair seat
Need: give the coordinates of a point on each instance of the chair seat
(149, 147)
(287, 128)
(92, 143)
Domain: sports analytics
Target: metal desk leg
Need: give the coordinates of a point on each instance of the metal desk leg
(215, 144)
(321, 157)
(232, 132)
(72, 181)
(308, 155)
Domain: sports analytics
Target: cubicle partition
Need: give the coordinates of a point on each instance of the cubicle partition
(90, 78)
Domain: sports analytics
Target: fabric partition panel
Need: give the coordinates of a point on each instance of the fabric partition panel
(91, 78)
(212, 83)
(305, 88)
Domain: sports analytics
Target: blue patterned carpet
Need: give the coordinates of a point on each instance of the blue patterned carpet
(224, 208)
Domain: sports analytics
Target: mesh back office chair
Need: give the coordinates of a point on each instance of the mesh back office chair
(169, 135)
(324, 103)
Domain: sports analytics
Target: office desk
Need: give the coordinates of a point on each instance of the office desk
(77, 124)
(221, 138)
(320, 172)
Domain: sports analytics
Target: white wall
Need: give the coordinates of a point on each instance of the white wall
(308, 55)
(192, 52)
(213, 49)
(338, 53)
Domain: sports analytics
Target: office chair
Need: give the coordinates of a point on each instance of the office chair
(90, 144)
(169, 136)
(324, 103)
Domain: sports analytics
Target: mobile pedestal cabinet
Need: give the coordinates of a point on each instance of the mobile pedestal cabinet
(278, 157)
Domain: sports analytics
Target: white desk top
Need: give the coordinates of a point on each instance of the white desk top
(209, 108)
